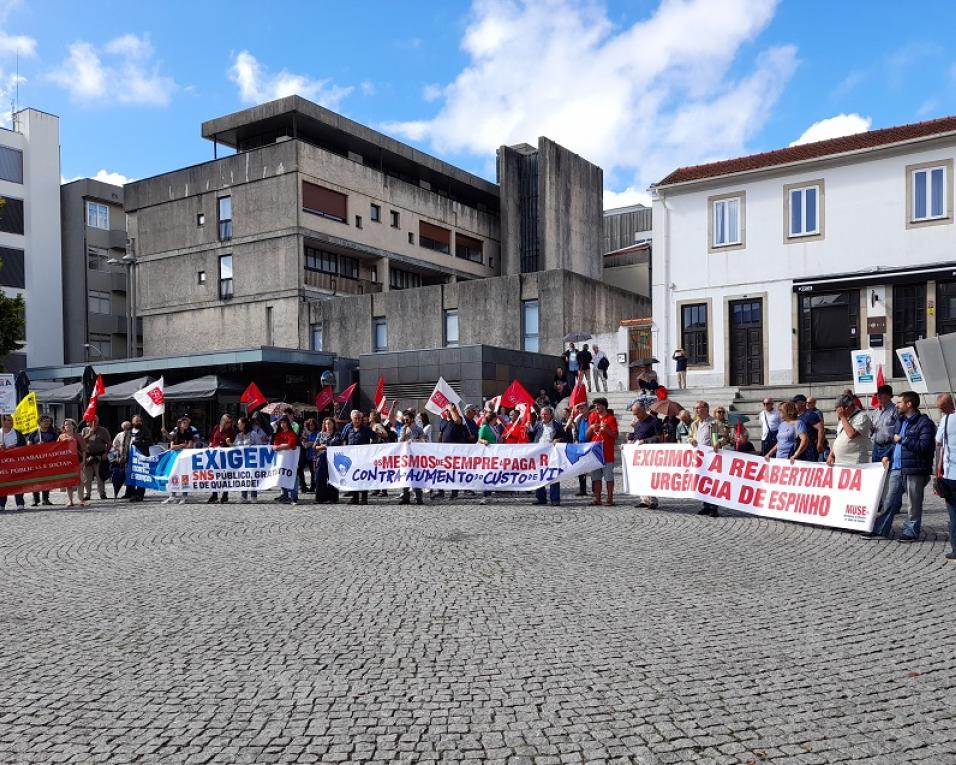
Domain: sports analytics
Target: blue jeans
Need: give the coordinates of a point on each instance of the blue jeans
(892, 503)
(292, 494)
(554, 493)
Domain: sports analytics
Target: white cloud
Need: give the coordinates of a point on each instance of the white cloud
(11, 45)
(257, 84)
(630, 196)
(834, 127)
(639, 101)
(117, 179)
(123, 71)
(432, 92)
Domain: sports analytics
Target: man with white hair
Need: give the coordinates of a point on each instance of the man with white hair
(357, 434)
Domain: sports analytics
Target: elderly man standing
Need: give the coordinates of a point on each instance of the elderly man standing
(98, 444)
(769, 425)
(852, 445)
(884, 418)
(547, 431)
(946, 464)
(411, 431)
(356, 433)
(601, 365)
(645, 429)
(704, 432)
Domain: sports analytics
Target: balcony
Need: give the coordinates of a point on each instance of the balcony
(339, 285)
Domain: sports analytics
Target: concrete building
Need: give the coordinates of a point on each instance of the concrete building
(95, 274)
(627, 248)
(770, 269)
(30, 233)
(311, 205)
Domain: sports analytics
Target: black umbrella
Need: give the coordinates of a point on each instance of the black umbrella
(576, 337)
(89, 381)
(645, 362)
(22, 384)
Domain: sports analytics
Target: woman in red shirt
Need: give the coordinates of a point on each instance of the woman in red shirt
(222, 437)
(286, 438)
(602, 426)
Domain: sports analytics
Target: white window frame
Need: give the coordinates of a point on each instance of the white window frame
(944, 207)
(316, 339)
(718, 209)
(802, 192)
(97, 215)
(379, 321)
(449, 314)
(530, 341)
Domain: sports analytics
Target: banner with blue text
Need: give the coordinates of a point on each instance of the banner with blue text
(245, 468)
(419, 465)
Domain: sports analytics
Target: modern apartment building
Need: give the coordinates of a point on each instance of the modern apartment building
(772, 268)
(96, 273)
(30, 233)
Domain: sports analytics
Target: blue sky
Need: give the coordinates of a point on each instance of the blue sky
(638, 87)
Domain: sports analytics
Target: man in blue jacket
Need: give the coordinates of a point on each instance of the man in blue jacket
(547, 431)
(357, 434)
(910, 464)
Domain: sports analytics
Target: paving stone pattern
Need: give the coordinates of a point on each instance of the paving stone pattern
(464, 633)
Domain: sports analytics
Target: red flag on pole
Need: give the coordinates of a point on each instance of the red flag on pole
(516, 394)
(253, 399)
(323, 398)
(345, 395)
(578, 396)
(98, 390)
(738, 431)
(381, 404)
(880, 380)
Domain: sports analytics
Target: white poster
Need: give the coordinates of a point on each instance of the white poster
(8, 394)
(912, 369)
(247, 468)
(865, 365)
(417, 465)
(842, 496)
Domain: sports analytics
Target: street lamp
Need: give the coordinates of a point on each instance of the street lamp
(128, 261)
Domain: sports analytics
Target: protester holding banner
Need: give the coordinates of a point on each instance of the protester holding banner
(645, 429)
(411, 432)
(946, 465)
(328, 436)
(286, 439)
(602, 426)
(222, 437)
(44, 434)
(182, 437)
(454, 429)
(488, 436)
(10, 438)
(684, 425)
(703, 433)
(816, 433)
(70, 434)
(118, 456)
(792, 437)
(357, 434)
(248, 433)
(310, 431)
(97, 446)
(547, 431)
(140, 440)
(579, 429)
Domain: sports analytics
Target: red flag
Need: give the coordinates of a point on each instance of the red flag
(738, 430)
(578, 396)
(323, 398)
(880, 380)
(345, 395)
(98, 390)
(661, 392)
(253, 399)
(381, 405)
(516, 394)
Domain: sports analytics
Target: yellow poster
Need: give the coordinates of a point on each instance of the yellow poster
(26, 418)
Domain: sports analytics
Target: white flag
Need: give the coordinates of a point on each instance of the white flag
(441, 397)
(151, 398)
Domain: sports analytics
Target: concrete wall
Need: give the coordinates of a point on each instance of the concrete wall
(865, 226)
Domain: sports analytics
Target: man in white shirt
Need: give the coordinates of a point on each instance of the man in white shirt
(946, 464)
(600, 365)
(852, 445)
(769, 423)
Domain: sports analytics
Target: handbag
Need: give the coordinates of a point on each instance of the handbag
(941, 487)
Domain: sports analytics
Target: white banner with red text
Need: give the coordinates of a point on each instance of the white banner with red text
(247, 468)
(422, 465)
(842, 496)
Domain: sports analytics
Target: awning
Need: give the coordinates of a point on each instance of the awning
(122, 393)
(65, 394)
(208, 386)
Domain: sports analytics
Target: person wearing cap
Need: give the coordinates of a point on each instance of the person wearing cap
(769, 424)
(852, 445)
(816, 434)
(884, 418)
(411, 431)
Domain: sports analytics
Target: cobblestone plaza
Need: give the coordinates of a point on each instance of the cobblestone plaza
(456, 632)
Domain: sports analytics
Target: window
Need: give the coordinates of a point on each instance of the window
(201, 278)
(100, 346)
(348, 267)
(96, 259)
(97, 215)
(399, 279)
(726, 222)
(11, 268)
(396, 218)
(200, 219)
(693, 329)
(451, 328)
(225, 277)
(374, 273)
(331, 263)
(929, 193)
(379, 334)
(99, 302)
(315, 331)
(375, 214)
(319, 200)
(358, 221)
(529, 325)
(804, 211)
(434, 237)
(11, 164)
(468, 248)
(411, 238)
(225, 219)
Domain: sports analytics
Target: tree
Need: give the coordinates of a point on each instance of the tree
(12, 324)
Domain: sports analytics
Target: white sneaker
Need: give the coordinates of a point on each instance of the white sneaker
(483, 501)
(169, 500)
(293, 503)
(182, 501)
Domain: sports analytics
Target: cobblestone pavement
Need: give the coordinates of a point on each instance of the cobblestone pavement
(500, 633)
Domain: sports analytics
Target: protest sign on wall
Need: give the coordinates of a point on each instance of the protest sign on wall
(246, 468)
(8, 394)
(477, 467)
(842, 496)
(39, 467)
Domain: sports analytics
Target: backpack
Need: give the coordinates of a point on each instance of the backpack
(604, 364)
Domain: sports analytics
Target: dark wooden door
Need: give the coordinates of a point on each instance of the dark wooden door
(945, 307)
(909, 319)
(746, 342)
(829, 330)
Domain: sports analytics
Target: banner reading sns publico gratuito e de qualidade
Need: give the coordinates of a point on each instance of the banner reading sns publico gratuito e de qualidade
(842, 496)
(250, 468)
